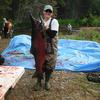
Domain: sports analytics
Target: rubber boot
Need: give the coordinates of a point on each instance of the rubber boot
(36, 74)
(37, 86)
(47, 79)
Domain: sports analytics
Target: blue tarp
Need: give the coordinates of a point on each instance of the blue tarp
(73, 55)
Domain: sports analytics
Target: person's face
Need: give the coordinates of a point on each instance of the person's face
(47, 13)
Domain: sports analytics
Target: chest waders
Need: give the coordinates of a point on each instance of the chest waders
(51, 55)
(50, 58)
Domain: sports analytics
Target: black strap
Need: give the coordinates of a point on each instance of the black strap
(50, 23)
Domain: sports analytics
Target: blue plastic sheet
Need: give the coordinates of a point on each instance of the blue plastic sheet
(73, 55)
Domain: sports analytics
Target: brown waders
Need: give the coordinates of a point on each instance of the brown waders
(50, 61)
(49, 67)
(51, 56)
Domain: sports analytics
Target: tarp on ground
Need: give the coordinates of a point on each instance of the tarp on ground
(73, 55)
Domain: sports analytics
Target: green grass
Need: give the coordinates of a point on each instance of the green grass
(90, 34)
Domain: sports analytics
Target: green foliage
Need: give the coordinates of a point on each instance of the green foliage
(91, 21)
(95, 7)
(16, 9)
(5, 8)
(1, 24)
(84, 21)
(73, 22)
(61, 2)
(90, 35)
(95, 21)
(22, 25)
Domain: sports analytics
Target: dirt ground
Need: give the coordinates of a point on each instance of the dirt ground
(65, 86)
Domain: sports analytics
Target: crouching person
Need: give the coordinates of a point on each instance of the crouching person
(7, 28)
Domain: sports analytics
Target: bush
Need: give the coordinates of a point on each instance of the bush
(91, 21)
(1, 23)
(90, 35)
(73, 22)
(95, 21)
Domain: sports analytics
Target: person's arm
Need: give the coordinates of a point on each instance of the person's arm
(53, 30)
(51, 33)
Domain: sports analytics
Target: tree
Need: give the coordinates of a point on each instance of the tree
(5, 8)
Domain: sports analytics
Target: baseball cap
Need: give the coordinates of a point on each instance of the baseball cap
(46, 7)
(4, 19)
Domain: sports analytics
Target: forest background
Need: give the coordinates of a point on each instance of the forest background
(76, 12)
(79, 13)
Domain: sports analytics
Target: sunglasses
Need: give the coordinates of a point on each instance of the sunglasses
(49, 11)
